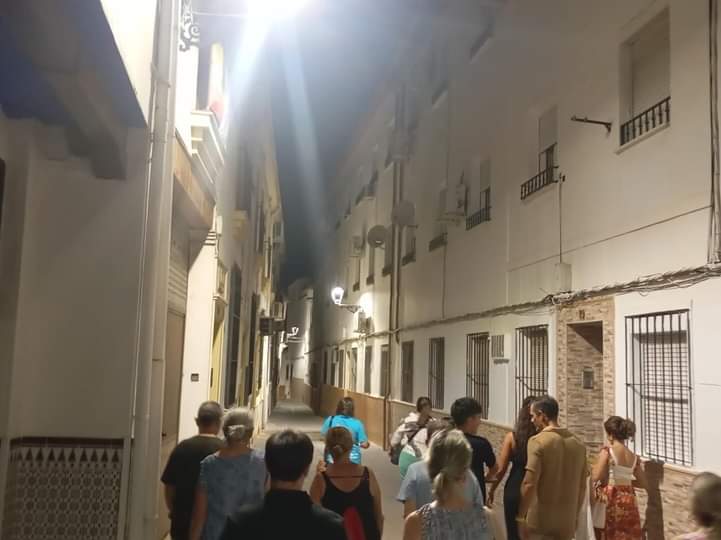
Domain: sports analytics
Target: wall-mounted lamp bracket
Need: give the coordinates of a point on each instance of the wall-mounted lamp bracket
(586, 120)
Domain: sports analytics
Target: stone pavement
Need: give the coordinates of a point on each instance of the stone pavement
(294, 415)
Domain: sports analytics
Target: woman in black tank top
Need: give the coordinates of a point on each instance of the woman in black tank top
(349, 490)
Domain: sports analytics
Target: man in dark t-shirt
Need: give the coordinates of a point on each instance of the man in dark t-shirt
(286, 511)
(467, 415)
(180, 476)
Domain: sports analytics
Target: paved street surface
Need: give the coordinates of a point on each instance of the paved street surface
(289, 414)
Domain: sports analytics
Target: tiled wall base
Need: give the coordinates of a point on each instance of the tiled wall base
(63, 489)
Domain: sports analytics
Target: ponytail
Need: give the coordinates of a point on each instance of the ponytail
(449, 458)
(442, 486)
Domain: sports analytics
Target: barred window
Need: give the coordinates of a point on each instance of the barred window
(478, 369)
(436, 372)
(325, 367)
(531, 362)
(658, 385)
(341, 369)
(367, 369)
(353, 370)
(407, 372)
(385, 371)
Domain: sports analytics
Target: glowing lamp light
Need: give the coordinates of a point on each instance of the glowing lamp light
(337, 295)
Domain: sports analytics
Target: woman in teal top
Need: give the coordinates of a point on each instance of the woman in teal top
(343, 417)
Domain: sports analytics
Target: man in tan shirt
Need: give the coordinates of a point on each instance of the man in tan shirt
(555, 481)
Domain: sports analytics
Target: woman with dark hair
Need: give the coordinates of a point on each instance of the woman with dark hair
(616, 473)
(344, 417)
(513, 453)
(349, 489)
(408, 442)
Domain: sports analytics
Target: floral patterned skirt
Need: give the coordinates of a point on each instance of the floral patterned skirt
(623, 521)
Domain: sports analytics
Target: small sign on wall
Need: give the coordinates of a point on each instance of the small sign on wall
(194, 377)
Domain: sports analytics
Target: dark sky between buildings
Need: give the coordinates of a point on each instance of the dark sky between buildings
(326, 75)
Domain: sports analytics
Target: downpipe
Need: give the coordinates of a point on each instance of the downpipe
(714, 251)
(140, 525)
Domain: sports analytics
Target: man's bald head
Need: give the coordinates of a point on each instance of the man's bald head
(209, 416)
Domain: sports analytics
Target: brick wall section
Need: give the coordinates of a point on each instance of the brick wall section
(664, 510)
(585, 410)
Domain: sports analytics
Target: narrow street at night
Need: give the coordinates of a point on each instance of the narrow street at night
(360, 270)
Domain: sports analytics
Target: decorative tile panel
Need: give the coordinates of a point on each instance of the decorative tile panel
(63, 489)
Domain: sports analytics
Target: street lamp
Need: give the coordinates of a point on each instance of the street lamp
(337, 294)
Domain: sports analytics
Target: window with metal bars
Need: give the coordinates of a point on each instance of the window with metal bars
(385, 371)
(658, 385)
(353, 358)
(478, 369)
(531, 362)
(436, 372)
(326, 371)
(368, 369)
(407, 371)
(341, 369)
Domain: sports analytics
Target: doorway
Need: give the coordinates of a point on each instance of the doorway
(584, 382)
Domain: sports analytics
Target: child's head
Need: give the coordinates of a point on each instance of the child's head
(466, 414)
(706, 501)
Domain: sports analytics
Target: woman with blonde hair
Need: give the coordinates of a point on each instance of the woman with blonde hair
(232, 477)
(616, 474)
(349, 489)
(706, 507)
(451, 516)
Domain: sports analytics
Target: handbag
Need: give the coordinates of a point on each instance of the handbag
(598, 506)
(395, 453)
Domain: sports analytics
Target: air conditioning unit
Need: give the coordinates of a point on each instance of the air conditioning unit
(356, 246)
(277, 311)
(500, 348)
(364, 323)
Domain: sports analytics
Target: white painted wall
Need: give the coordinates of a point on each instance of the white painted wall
(626, 212)
(133, 24)
(76, 319)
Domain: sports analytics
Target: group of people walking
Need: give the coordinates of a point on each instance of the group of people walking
(223, 489)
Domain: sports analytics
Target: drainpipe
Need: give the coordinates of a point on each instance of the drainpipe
(714, 251)
(154, 278)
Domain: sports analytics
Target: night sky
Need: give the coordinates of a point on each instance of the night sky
(326, 75)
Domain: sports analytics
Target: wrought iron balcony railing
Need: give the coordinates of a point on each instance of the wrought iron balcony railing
(484, 214)
(538, 182)
(438, 241)
(653, 117)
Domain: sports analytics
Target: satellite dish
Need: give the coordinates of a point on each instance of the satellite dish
(377, 236)
(403, 214)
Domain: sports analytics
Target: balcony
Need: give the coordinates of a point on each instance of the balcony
(538, 182)
(370, 280)
(484, 214)
(356, 286)
(645, 122)
(386, 270)
(438, 241)
(208, 150)
(410, 255)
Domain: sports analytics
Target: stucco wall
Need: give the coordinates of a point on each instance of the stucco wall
(133, 25)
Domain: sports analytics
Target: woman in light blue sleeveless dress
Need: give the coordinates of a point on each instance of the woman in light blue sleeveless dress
(450, 516)
(231, 478)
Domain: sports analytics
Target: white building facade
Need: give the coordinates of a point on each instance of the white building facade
(543, 174)
(140, 236)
